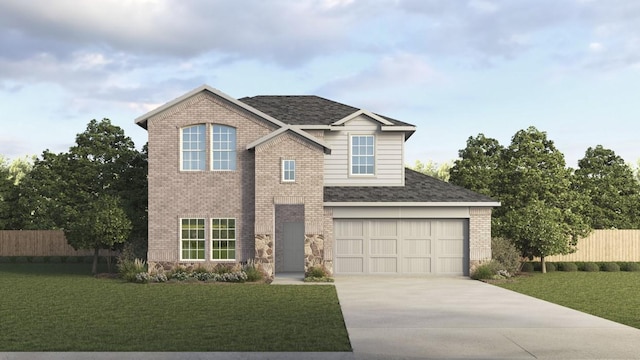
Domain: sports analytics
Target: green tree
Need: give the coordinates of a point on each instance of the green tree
(99, 224)
(478, 166)
(614, 194)
(61, 188)
(535, 189)
(11, 175)
(432, 169)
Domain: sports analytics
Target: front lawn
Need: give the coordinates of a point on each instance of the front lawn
(59, 307)
(610, 295)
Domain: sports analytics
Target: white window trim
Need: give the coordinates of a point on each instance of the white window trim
(181, 150)
(180, 238)
(211, 151)
(282, 171)
(235, 239)
(350, 155)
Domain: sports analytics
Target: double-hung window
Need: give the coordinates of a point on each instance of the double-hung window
(362, 155)
(288, 170)
(224, 148)
(192, 239)
(223, 239)
(193, 148)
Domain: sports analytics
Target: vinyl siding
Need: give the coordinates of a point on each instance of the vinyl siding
(389, 161)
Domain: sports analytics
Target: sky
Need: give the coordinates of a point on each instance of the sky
(453, 68)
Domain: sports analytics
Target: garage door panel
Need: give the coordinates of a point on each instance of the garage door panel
(346, 265)
(383, 247)
(350, 247)
(416, 229)
(353, 228)
(450, 265)
(384, 265)
(417, 265)
(416, 247)
(450, 246)
(383, 228)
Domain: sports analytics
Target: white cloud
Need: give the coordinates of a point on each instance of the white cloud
(596, 47)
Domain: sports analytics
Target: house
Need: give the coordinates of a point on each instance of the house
(298, 181)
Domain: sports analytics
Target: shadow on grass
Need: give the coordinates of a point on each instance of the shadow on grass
(79, 269)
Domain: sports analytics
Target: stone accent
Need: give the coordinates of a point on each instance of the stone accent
(479, 236)
(264, 254)
(313, 251)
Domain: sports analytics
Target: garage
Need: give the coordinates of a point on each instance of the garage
(401, 246)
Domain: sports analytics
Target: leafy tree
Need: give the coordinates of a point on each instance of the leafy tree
(433, 169)
(609, 183)
(536, 194)
(11, 174)
(478, 166)
(61, 188)
(102, 223)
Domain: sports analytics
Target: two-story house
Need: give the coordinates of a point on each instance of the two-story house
(298, 181)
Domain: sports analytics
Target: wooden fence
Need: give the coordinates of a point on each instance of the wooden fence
(38, 243)
(605, 245)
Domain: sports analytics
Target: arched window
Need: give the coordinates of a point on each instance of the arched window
(224, 148)
(193, 148)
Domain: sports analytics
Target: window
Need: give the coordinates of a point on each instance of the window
(362, 155)
(223, 239)
(224, 148)
(288, 170)
(193, 148)
(192, 239)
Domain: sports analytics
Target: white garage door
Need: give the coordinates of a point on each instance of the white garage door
(408, 246)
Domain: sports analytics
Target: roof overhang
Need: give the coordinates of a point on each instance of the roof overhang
(375, 117)
(282, 130)
(143, 120)
(413, 204)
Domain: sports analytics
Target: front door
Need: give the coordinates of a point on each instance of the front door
(293, 247)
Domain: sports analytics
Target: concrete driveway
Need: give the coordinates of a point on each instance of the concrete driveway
(459, 318)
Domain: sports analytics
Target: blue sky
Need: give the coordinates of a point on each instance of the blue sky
(453, 68)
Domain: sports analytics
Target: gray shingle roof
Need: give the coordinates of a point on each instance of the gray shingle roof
(305, 109)
(418, 188)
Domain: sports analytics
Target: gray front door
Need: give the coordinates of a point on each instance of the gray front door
(293, 247)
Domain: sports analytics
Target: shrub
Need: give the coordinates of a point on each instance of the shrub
(5, 259)
(568, 266)
(505, 253)
(129, 269)
(610, 267)
(551, 267)
(252, 271)
(22, 259)
(316, 272)
(591, 267)
(38, 259)
(55, 259)
(527, 267)
(71, 259)
(630, 266)
(488, 270)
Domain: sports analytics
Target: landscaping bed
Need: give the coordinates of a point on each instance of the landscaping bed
(59, 307)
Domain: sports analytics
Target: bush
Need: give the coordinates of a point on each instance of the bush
(71, 259)
(129, 269)
(5, 259)
(551, 267)
(504, 252)
(568, 266)
(38, 259)
(22, 259)
(488, 270)
(527, 267)
(630, 266)
(252, 271)
(316, 272)
(591, 267)
(610, 267)
(55, 259)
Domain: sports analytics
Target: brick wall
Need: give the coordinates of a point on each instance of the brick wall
(479, 236)
(175, 194)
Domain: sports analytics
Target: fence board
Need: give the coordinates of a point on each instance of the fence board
(605, 245)
(39, 243)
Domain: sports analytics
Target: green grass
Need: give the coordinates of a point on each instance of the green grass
(59, 307)
(610, 295)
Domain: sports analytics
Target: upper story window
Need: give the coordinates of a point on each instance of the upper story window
(362, 155)
(288, 170)
(224, 148)
(193, 147)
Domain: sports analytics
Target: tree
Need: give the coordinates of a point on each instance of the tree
(99, 224)
(478, 166)
(539, 211)
(62, 188)
(433, 169)
(614, 194)
(11, 175)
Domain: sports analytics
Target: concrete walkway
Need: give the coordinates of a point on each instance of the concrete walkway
(459, 318)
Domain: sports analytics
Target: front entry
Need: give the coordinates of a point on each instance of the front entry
(292, 243)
